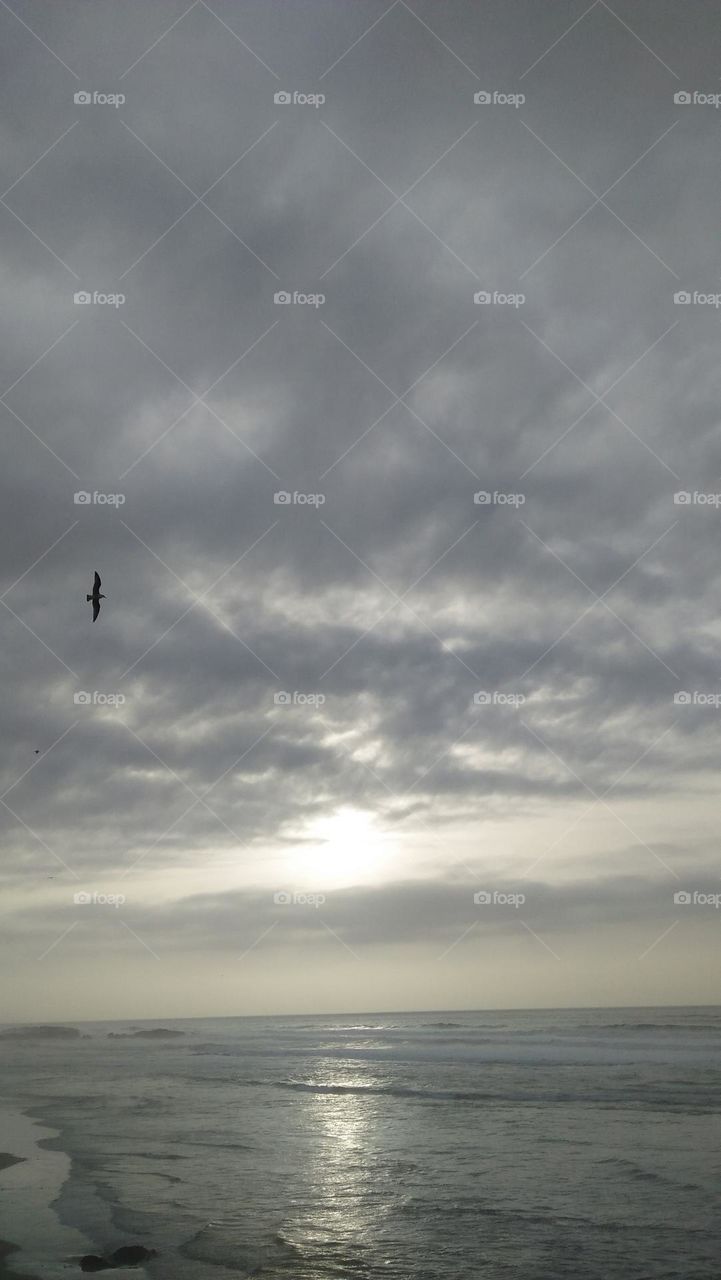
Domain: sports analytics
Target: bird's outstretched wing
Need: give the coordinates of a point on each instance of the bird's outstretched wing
(96, 609)
(97, 584)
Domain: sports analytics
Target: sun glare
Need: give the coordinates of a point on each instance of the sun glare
(347, 848)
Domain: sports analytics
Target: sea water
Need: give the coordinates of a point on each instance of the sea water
(423, 1146)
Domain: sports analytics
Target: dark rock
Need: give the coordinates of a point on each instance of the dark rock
(129, 1255)
(33, 1032)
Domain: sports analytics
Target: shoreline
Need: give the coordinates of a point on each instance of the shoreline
(34, 1243)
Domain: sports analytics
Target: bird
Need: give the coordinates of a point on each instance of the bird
(96, 597)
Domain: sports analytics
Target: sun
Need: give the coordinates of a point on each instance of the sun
(346, 847)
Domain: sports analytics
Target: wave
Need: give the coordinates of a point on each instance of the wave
(629, 1169)
(663, 1026)
(448, 1024)
(392, 1091)
(544, 1054)
(478, 1096)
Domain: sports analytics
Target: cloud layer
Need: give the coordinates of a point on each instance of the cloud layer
(495, 620)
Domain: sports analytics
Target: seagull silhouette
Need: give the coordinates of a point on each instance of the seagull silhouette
(96, 597)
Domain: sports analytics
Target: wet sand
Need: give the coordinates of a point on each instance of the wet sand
(6, 1272)
(7, 1249)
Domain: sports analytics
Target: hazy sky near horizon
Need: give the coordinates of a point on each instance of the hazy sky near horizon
(313, 731)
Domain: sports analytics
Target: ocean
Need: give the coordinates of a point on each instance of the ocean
(414, 1146)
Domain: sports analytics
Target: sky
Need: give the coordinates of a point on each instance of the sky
(369, 352)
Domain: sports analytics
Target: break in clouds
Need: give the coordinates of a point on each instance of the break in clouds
(370, 354)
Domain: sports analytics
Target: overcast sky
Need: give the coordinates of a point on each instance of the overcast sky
(447, 663)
